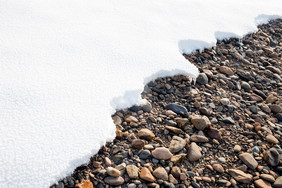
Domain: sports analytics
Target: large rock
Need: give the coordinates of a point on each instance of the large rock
(160, 173)
(176, 144)
(146, 175)
(132, 171)
(249, 160)
(240, 176)
(162, 153)
(114, 180)
(200, 122)
(194, 152)
(181, 110)
(146, 134)
(271, 156)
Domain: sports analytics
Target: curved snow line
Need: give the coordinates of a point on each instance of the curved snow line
(65, 66)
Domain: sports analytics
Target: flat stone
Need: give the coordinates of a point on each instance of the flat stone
(267, 177)
(146, 175)
(177, 144)
(228, 120)
(178, 158)
(200, 122)
(160, 173)
(138, 144)
(174, 129)
(249, 160)
(194, 152)
(246, 86)
(131, 119)
(271, 99)
(198, 138)
(226, 70)
(262, 184)
(162, 153)
(257, 98)
(181, 110)
(275, 108)
(240, 176)
(218, 168)
(146, 134)
(271, 139)
(214, 133)
(114, 180)
(271, 156)
(132, 171)
(113, 172)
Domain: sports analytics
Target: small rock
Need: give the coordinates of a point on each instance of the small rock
(218, 168)
(200, 122)
(228, 120)
(271, 139)
(249, 160)
(117, 159)
(160, 173)
(194, 152)
(175, 171)
(171, 179)
(246, 86)
(202, 79)
(131, 119)
(84, 184)
(174, 129)
(237, 148)
(262, 184)
(146, 175)
(146, 134)
(177, 144)
(271, 156)
(267, 177)
(271, 99)
(240, 176)
(225, 101)
(178, 158)
(226, 70)
(214, 133)
(162, 153)
(145, 154)
(113, 172)
(132, 171)
(138, 144)
(114, 180)
(198, 138)
(275, 108)
(181, 110)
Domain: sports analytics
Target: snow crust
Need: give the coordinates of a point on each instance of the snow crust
(67, 65)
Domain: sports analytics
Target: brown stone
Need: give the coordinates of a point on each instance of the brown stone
(271, 99)
(200, 122)
(275, 108)
(146, 134)
(113, 172)
(178, 158)
(198, 138)
(226, 70)
(138, 144)
(271, 156)
(214, 133)
(249, 160)
(146, 175)
(132, 171)
(175, 171)
(131, 119)
(85, 184)
(194, 152)
(218, 168)
(162, 153)
(174, 129)
(267, 177)
(262, 184)
(177, 144)
(172, 180)
(114, 180)
(160, 173)
(240, 176)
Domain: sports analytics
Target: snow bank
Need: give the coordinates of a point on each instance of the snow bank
(66, 65)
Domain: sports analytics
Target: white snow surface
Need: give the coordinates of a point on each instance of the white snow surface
(67, 65)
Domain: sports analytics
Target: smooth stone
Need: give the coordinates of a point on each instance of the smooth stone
(146, 134)
(202, 79)
(113, 172)
(177, 144)
(214, 133)
(198, 138)
(226, 70)
(138, 144)
(218, 168)
(194, 152)
(228, 120)
(84, 184)
(278, 182)
(145, 154)
(271, 156)
(249, 160)
(267, 177)
(275, 108)
(114, 180)
(181, 110)
(271, 139)
(225, 101)
(245, 86)
(146, 175)
(262, 184)
(162, 153)
(175, 171)
(132, 171)
(160, 173)
(178, 158)
(237, 148)
(174, 129)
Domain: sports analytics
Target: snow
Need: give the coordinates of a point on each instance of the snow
(67, 65)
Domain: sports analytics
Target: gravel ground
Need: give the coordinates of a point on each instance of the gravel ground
(222, 129)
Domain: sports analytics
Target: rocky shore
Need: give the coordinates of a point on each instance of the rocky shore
(223, 129)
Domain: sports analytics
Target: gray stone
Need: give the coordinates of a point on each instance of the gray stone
(202, 79)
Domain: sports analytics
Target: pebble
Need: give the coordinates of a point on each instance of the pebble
(178, 158)
(177, 144)
(249, 160)
(246, 86)
(138, 144)
(278, 182)
(146, 175)
(160, 173)
(200, 122)
(178, 109)
(262, 184)
(146, 134)
(275, 108)
(240, 176)
(114, 180)
(162, 153)
(174, 129)
(267, 177)
(175, 171)
(271, 139)
(228, 120)
(113, 172)
(271, 156)
(198, 138)
(218, 168)
(132, 171)
(194, 152)
(84, 184)
(202, 79)
(145, 154)
(225, 101)
(237, 148)
(226, 70)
